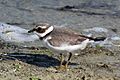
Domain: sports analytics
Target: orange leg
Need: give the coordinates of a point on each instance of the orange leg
(69, 58)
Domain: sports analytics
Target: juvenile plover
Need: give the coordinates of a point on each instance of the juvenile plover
(62, 40)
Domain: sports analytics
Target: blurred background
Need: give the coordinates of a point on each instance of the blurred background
(74, 13)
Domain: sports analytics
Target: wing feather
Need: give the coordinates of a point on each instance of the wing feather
(65, 36)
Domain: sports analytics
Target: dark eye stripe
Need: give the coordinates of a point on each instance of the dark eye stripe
(40, 30)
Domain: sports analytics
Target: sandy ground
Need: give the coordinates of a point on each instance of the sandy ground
(40, 64)
(18, 63)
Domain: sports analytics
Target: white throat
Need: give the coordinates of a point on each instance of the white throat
(46, 32)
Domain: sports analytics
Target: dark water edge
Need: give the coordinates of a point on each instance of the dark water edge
(75, 13)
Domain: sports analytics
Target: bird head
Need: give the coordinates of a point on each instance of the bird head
(42, 29)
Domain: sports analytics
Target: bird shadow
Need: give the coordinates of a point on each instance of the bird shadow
(41, 60)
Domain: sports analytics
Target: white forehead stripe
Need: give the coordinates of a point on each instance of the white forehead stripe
(46, 32)
(44, 27)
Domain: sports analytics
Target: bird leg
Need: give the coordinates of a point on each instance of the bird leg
(69, 58)
(61, 59)
(61, 67)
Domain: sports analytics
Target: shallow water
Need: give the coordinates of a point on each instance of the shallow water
(84, 14)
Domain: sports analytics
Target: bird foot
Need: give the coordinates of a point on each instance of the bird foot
(62, 68)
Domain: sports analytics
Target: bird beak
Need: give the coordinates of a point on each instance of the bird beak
(32, 30)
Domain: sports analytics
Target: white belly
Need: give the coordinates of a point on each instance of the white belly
(66, 47)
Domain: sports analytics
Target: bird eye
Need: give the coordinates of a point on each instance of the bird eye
(40, 30)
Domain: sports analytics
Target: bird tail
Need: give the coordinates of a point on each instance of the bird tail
(95, 39)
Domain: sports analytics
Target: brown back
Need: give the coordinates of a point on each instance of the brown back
(62, 35)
